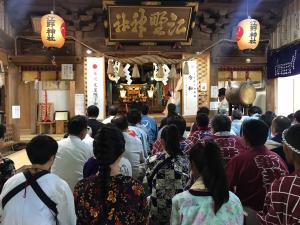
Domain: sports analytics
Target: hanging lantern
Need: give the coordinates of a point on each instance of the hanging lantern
(135, 72)
(121, 73)
(110, 67)
(53, 31)
(248, 34)
(151, 91)
(122, 93)
(173, 72)
(185, 70)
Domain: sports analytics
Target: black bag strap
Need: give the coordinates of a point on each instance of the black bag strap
(156, 169)
(20, 187)
(40, 193)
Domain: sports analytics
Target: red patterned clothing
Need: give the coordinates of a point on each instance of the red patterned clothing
(185, 146)
(125, 203)
(251, 173)
(200, 134)
(195, 128)
(282, 203)
(230, 145)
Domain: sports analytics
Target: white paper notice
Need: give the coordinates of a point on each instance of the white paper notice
(214, 91)
(214, 105)
(16, 112)
(79, 104)
(67, 72)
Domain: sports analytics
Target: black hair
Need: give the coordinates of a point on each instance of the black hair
(108, 146)
(254, 110)
(202, 120)
(40, 149)
(292, 136)
(93, 111)
(2, 131)
(120, 121)
(297, 116)
(145, 109)
(221, 123)
(77, 124)
(134, 116)
(179, 122)
(171, 110)
(204, 110)
(113, 110)
(268, 117)
(255, 132)
(207, 160)
(236, 115)
(222, 92)
(171, 137)
(280, 123)
(291, 117)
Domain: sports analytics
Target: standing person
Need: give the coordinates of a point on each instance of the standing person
(149, 122)
(108, 197)
(223, 104)
(282, 202)
(20, 197)
(93, 123)
(209, 200)
(167, 175)
(251, 173)
(72, 152)
(113, 111)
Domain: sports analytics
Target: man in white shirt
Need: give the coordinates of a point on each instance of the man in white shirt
(113, 111)
(72, 152)
(24, 206)
(133, 147)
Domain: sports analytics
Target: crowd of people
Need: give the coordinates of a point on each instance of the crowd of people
(124, 170)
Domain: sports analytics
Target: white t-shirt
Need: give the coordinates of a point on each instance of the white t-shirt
(25, 208)
(71, 156)
(108, 120)
(133, 152)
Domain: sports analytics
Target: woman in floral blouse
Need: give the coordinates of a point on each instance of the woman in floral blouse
(167, 175)
(109, 197)
(209, 200)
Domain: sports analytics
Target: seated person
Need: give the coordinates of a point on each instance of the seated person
(149, 122)
(113, 111)
(282, 204)
(279, 124)
(171, 113)
(230, 145)
(204, 110)
(236, 122)
(167, 175)
(25, 206)
(109, 197)
(185, 144)
(93, 123)
(203, 130)
(251, 173)
(209, 200)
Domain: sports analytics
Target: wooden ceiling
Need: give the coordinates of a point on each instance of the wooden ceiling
(216, 19)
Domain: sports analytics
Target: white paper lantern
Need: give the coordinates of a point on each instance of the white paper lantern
(248, 34)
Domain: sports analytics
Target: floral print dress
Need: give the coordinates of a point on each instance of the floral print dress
(125, 202)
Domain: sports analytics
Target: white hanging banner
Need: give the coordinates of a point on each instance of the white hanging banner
(96, 84)
(79, 104)
(190, 90)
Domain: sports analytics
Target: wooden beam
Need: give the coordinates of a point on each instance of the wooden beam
(239, 60)
(43, 60)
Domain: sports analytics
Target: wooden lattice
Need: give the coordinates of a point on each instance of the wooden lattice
(203, 77)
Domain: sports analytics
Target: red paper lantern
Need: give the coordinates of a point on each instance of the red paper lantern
(248, 34)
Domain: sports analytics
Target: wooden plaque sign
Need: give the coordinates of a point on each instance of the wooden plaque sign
(150, 23)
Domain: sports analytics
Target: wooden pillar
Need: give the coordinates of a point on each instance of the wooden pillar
(79, 73)
(12, 98)
(72, 98)
(271, 96)
(213, 77)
